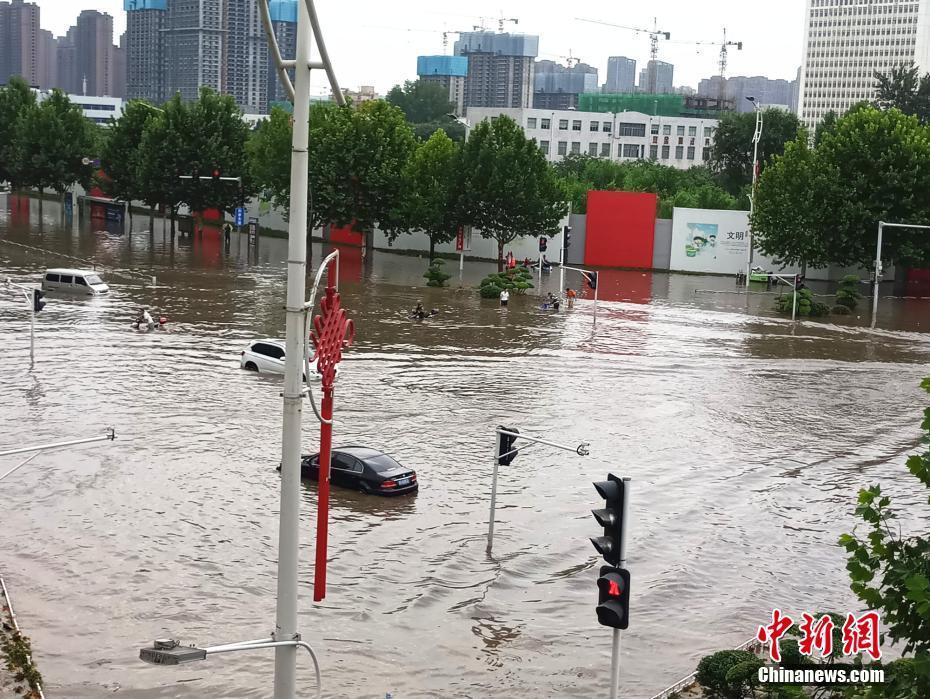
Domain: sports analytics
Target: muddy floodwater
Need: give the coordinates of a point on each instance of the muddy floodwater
(746, 439)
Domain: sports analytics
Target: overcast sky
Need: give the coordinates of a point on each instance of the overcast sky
(372, 42)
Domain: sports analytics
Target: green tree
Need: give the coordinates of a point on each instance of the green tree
(59, 138)
(430, 201)
(786, 219)
(269, 153)
(119, 157)
(17, 115)
(822, 206)
(904, 89)
(421, 101)
(357, 163)
(828, 123)
(890, 572)
(507, 188)
(216, 140)
(163, 157)
(732, 152)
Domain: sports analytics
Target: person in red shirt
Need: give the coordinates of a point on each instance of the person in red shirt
(570, 295)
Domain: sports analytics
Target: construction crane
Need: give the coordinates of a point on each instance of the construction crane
(445, 40)
(654, 34)
(570, 60)
(500, 22)
(722, 61)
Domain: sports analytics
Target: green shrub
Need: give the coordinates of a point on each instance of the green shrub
(435, 276)
(713, 670)
(847, 294)
(515, 280)
(840, 310)
(807, 306)
(490, 291)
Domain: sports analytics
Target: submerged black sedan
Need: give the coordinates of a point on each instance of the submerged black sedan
(365, 469)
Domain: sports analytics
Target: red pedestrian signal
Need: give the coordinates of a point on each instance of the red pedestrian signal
(613, 603)
(216, 174)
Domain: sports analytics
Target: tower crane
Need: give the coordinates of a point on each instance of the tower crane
(722, 61)
(654, 34)
(500, 22)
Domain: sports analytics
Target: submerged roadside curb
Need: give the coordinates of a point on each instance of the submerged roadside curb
(18, 675)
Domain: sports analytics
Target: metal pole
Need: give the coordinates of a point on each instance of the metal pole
(110, 435)
(322, 515)
(752, 197)
(595, 305)
(540, 272)
(615, 649)
(32, 328)
(794, 300)
(285, 659)
(878, 268)
(497, 450)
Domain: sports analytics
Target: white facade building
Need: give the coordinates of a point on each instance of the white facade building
(680, 142)
(846, 41)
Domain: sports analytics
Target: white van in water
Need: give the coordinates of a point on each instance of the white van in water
(74, 281)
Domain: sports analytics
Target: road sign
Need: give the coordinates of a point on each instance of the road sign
(240, 215)
(460, 240)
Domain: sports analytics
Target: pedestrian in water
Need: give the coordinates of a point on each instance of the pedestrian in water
(505, 297)
(570, 295)
(227, 232)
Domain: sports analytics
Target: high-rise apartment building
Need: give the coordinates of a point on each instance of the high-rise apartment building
(557, 87)
(48, 60)
(146, 63)
(449, 72)
(118, 74)
(246, 56)
(196, 47)
(621, 75)
(284, 24)
(846, 42)
(768, 92)
(500, 68)
(94, 47)
(67, 63)
(657, 78)
(19, 41)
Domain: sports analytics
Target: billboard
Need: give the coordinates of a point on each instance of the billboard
(709, 240)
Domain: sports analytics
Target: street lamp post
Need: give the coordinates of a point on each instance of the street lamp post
(757, 134)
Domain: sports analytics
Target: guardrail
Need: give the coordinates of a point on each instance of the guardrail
(752, 645)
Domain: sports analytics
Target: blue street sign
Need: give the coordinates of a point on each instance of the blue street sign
(240, 215)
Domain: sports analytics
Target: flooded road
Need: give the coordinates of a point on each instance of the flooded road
(746, 442)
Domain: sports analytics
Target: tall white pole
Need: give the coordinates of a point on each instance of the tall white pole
(285, 660)
(615, 648)
(757, 134)
(32, 328)
(497, 451)
(878, 270)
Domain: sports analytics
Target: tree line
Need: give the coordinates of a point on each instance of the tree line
(820, 202)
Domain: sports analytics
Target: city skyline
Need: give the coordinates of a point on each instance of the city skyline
(772, 36)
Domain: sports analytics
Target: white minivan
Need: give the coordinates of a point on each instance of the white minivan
(74, 281)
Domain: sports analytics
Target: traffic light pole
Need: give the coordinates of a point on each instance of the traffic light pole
(30, 301)
(581, 450)
(615, 650)
(588, 271)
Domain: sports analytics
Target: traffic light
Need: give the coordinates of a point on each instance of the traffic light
(613, 599)
(542, 244)
(37, 303)
(566, 236)
(216, 174)
(610, 518)
(591, 278)
(506, 447)
(195, 175)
